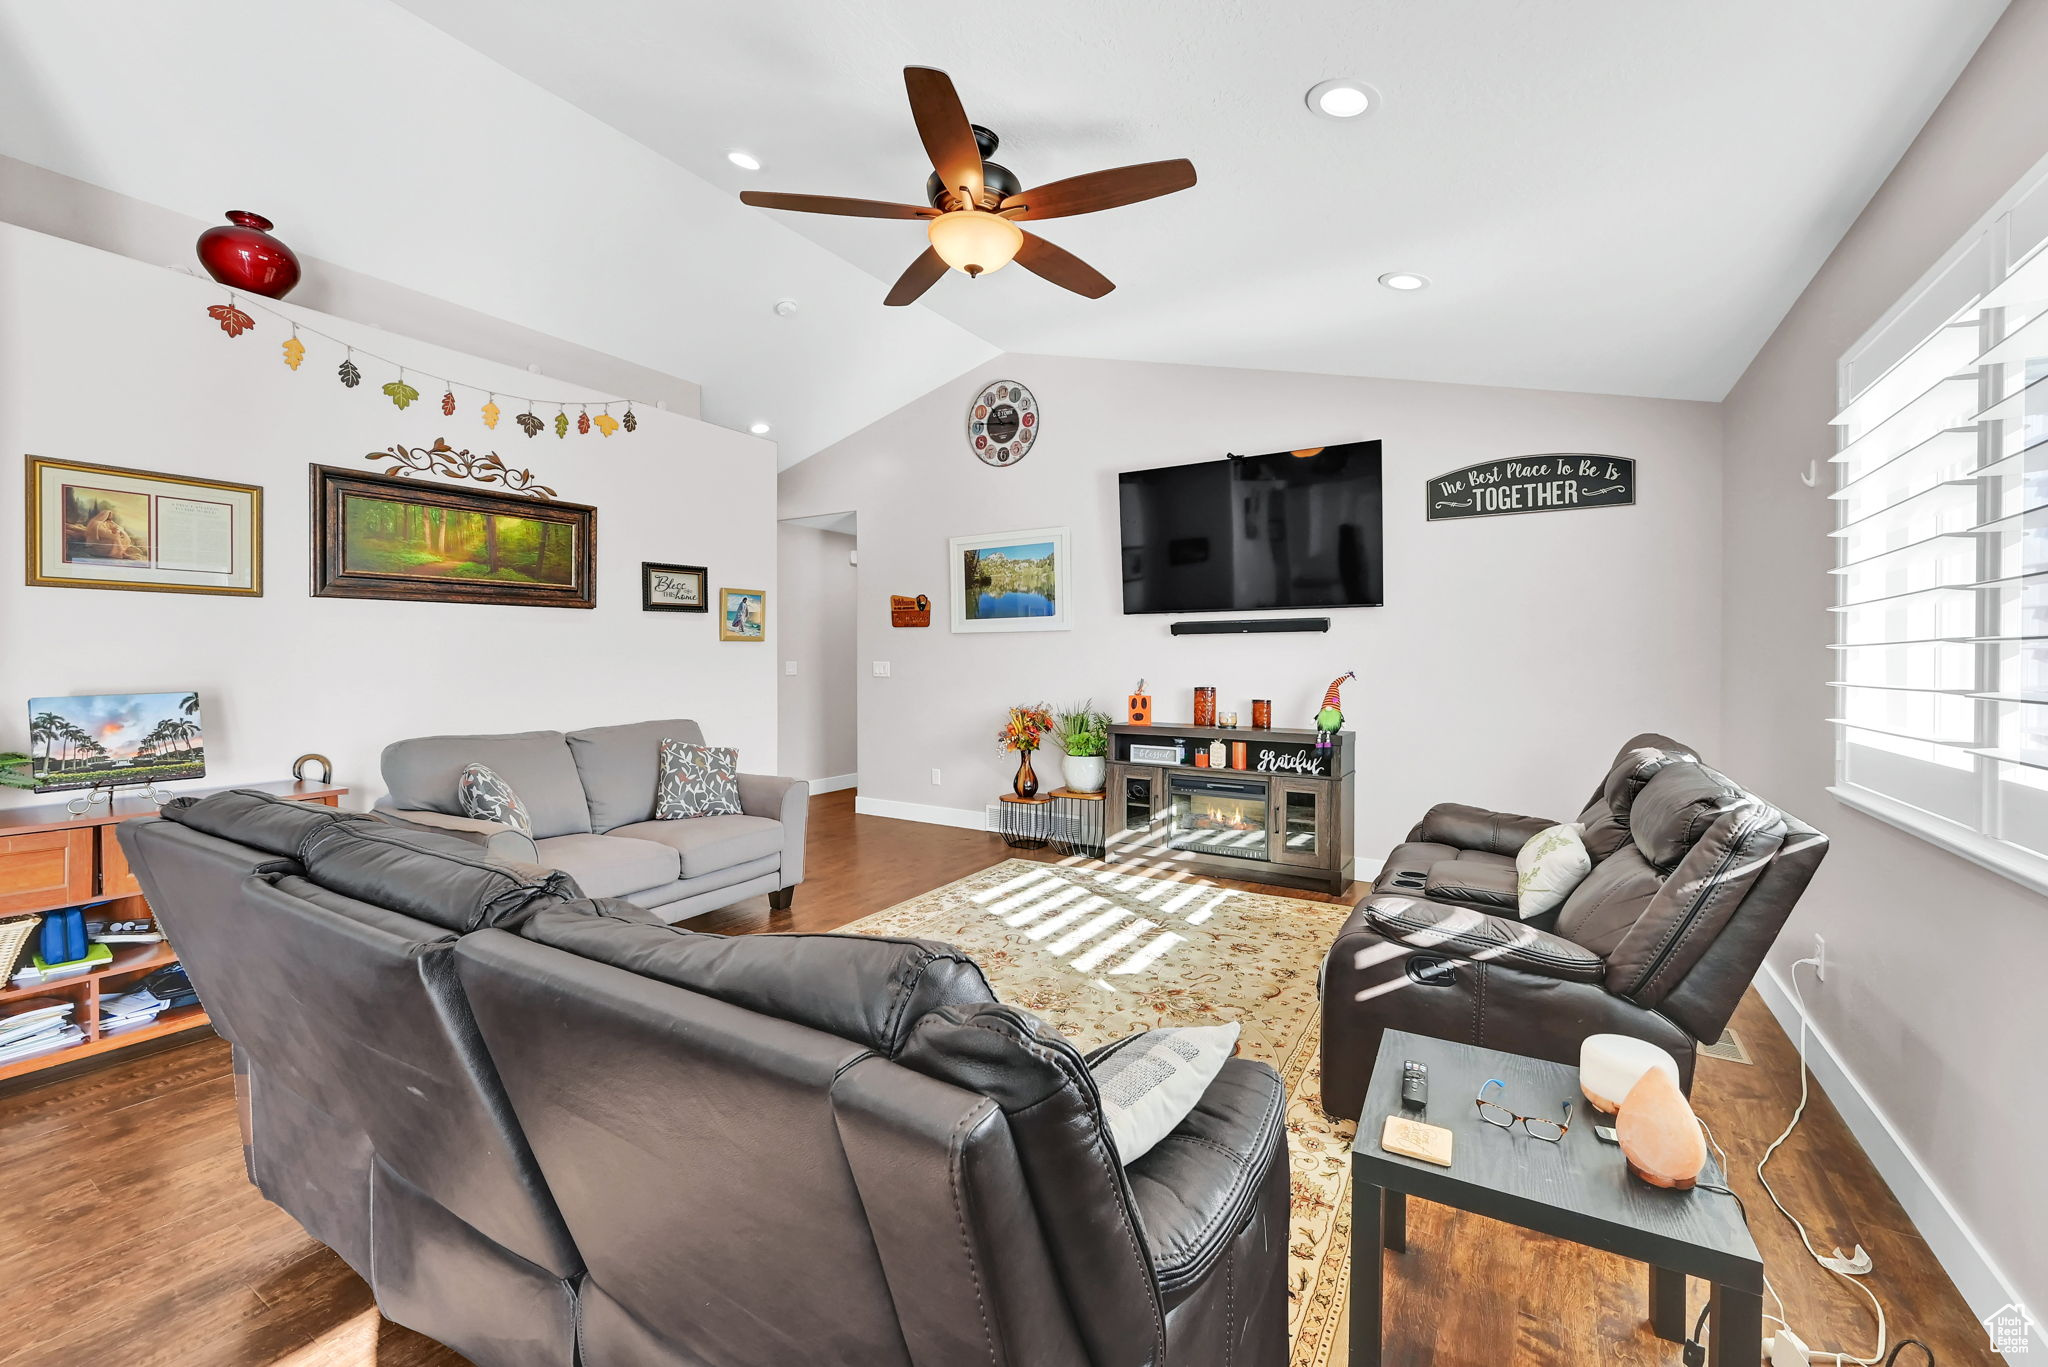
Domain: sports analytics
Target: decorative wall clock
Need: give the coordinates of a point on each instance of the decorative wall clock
(1002, 423)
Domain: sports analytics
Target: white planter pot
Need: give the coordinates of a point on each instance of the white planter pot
(1084, 773)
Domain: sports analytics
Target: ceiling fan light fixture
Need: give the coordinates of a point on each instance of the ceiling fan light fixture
(1404, 280)
(1342, 98)
(746, 161)
(975, 242)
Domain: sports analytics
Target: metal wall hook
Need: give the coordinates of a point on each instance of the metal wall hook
(1811, 477)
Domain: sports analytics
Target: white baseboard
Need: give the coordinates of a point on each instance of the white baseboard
(836, 783)
(919, 811)
(1983, 1286)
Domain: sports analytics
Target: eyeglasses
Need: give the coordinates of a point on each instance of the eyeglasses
(1549, 1131)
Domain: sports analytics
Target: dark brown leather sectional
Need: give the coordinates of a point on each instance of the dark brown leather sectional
(549, 1130)
(1692, 879)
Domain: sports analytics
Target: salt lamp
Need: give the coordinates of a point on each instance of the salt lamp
(1659, 1136)
(1610, 1064)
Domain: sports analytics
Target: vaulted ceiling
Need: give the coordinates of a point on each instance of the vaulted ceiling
(1606, 195)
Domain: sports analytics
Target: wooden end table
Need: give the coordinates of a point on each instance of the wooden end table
(1579, 1189)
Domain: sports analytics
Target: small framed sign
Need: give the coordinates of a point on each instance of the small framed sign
(1547, 483)
(673, 588)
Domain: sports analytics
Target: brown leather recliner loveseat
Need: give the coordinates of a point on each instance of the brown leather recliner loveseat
(556, 1132)
(1692, 879)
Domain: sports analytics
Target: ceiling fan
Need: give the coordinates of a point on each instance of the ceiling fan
(975, 203)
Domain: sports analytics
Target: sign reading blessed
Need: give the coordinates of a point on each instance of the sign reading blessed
(1533, 484)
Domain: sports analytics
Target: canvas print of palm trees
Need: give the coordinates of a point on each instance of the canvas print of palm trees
(115, 738)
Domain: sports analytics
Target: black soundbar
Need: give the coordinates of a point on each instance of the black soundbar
(1241, 625)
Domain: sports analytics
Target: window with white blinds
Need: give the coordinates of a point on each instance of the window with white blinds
(1941, 551)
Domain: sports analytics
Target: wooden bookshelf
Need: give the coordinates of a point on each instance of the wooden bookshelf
(52, 858)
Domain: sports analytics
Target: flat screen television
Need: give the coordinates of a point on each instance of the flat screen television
(115, 739)
(1296, 529)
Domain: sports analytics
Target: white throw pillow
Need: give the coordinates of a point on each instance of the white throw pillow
(1549, 865)
(1150, 1083)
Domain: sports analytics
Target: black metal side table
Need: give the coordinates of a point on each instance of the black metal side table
(1025, 823)
(1578, 1189)
(1077, 822)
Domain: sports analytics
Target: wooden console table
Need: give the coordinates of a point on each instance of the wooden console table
(1285, 816)
(52, 858)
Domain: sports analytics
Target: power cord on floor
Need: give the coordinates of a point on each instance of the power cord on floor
(1848, 1266)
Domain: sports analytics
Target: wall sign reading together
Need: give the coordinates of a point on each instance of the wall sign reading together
(1533, 484)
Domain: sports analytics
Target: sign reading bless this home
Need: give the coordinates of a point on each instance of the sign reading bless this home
(1533, 484)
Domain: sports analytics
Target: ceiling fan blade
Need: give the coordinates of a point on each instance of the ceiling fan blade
(942, 124)
(833, 204)
(922, 275)
(1062, 267)
(1100, 190)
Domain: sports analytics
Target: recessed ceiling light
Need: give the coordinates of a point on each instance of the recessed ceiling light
(746, 161)
(1404, 280)
(1342, 98)
(759, 429)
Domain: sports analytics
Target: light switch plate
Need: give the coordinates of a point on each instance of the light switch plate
(789, 666)
(881, 669)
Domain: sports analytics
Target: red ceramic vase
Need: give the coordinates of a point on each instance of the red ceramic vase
(242, 254)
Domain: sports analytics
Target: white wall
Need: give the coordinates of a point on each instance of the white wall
(110, 361)
(814, 629)
(382, 144)
(1929, 1002)
(1513, 656)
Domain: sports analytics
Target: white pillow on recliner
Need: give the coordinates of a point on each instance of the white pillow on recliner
(1550, 864)
(1149, 1083)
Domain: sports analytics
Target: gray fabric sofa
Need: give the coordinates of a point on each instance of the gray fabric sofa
(590, 795)
(554, 1132)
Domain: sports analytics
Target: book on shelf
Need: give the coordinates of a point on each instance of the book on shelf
(37, 1016)
(38, 970)
(63, 1036)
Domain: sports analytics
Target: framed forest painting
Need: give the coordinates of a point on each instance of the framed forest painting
(380, 536)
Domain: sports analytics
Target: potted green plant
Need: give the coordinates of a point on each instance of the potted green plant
(1084, 735)
(14, 771)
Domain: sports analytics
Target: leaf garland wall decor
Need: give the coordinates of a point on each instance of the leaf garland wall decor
(234, 320)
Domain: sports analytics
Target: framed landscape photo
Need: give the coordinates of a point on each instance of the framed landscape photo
(108, 527)
(384, 536)
(1009, 581)
(673, 588)
(742, 614)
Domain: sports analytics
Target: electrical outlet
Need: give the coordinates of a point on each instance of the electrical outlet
(1820, 958)
(881, 669)
(935, 778)
(789, 666)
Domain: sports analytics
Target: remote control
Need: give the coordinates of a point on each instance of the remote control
(1414, 1085)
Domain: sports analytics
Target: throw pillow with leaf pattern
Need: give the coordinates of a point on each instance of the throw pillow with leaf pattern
(484, 796)
(697, 780)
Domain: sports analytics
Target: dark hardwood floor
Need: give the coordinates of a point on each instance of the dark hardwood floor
(131, 1236)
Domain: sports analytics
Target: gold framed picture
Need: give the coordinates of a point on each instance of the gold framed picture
(109, 527)
(743, 614)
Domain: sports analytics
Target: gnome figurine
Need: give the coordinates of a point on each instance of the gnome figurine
(1331, 718)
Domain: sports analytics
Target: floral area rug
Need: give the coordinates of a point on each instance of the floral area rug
(1100, 953)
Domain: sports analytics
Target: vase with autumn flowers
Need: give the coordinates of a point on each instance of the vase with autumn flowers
(1026, 729)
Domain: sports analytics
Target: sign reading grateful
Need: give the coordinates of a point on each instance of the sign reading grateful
(1533, 484)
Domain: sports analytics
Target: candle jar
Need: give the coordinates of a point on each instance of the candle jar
(1239, 754)
(1262, 714)
(1205, 706)
(1202, 758)
(1227, 719)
